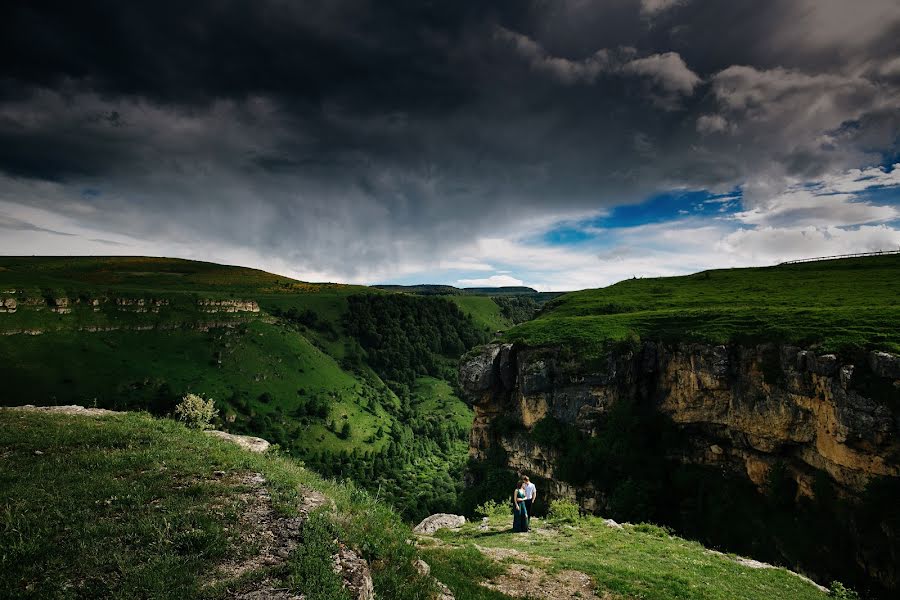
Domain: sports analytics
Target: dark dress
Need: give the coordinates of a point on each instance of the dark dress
(520, 514)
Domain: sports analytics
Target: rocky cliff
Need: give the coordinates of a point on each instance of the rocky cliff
(743, 411)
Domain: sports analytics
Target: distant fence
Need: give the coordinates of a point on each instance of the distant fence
(839, 256)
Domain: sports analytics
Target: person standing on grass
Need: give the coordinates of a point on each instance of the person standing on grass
(530, 496)
(520, 515)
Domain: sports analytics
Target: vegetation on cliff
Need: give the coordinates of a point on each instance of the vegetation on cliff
(838, 305)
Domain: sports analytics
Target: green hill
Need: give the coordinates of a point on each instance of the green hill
(275, 353)
(838, 305)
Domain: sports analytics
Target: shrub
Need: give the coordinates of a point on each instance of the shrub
(655, 530)
(841, 592)
(196, 412)
(492, 508)
(563, 511)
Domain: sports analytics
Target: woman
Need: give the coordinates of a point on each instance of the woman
(520, 515)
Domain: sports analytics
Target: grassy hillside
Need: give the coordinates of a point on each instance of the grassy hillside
(839, 305)
(275, 354)
(127, 506)
(585, 558)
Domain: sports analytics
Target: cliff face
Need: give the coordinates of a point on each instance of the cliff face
(740, 409)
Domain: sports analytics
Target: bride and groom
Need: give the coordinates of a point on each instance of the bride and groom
(523, 499)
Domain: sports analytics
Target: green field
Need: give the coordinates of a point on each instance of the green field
(838, 305)
(642, 561)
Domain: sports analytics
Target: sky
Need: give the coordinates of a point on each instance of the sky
(559, 144)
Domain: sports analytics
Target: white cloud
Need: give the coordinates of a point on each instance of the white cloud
(492, 281)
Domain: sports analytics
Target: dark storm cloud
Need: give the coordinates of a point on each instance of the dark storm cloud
(349, 133)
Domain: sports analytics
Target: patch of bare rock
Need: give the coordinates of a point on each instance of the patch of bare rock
(439, 521)
(71, 409)
(247, 442)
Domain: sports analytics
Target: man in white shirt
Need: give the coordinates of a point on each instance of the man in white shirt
(530, 495)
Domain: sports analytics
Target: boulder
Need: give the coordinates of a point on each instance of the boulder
(439, 521)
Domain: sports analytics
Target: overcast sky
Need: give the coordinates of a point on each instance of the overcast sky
(560, 144)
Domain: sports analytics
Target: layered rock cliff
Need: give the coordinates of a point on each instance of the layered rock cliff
(741, 410)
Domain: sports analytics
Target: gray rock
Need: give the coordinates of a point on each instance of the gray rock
(247, 442)
(884, 364)
(422, 567)
(476, 373)
(439, 521)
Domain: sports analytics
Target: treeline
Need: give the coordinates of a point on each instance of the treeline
(517, 309)
(419, 470)
(405, 336)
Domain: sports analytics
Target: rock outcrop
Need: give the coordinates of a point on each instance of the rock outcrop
(742, 410)
(744, 406)
(439, 521)
(247, 442)
(228, 306)
(8, 305)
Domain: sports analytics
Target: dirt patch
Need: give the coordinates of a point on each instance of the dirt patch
(272, 535)
(525, 581)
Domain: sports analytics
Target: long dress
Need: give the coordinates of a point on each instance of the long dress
(520, 515)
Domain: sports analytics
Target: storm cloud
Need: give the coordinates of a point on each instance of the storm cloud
(364, 141)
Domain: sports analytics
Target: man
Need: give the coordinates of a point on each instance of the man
(530, 495)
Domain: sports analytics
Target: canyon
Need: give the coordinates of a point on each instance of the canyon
(746, 412)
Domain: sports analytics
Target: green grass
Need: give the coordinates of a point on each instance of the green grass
(838, 305)
(128, 506)
(484, 311)
(435, 397)
(637, 562)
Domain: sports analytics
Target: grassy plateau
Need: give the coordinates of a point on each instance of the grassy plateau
(837, 305)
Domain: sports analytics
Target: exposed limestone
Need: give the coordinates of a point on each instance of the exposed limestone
(71, 409)
(247, 442)
(722, 393)
(439, 521)
(60, 305)
(228, 306)
(8, 305)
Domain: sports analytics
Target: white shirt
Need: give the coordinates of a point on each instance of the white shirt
(530, 491)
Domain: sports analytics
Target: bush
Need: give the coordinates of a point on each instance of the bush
(563, 511)
(195, 412)
(492, 508)
(841, 592)
(655, 530)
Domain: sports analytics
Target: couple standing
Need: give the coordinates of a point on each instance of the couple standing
(523, 498)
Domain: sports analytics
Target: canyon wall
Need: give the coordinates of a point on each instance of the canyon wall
(740, 410)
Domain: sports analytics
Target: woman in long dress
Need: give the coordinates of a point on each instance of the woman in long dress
(520, 515)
